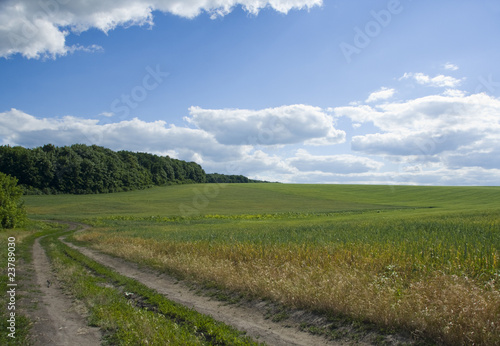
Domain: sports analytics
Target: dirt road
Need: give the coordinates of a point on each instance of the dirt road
(243, 318)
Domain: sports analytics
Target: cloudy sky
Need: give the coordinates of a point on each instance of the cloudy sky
(300, 91)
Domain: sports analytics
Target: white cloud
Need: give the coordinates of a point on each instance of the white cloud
(269, 126)
(107, 114)
(39, 28)
(441, 176)
(340, 164)
(434, 113)
(382, 94)
(251, 163)
(90, 49)
(450, 66)
(435, 140)
(486, 158)
(437, 81)
(416, 143)
(436, 128)
(454, 93)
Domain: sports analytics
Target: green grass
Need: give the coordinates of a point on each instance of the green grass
(448, 197)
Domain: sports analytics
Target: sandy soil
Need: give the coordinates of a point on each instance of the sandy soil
(243, 318)
(56, 321)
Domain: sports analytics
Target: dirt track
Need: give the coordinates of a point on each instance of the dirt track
(245, 319)
(57, 321)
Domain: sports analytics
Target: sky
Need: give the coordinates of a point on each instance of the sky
(295, 91)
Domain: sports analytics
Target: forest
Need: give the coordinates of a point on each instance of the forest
(82, 169)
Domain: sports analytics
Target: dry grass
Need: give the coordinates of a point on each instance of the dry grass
(448, 308)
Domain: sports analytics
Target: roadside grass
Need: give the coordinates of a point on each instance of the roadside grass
(24, 238)
(128, 312)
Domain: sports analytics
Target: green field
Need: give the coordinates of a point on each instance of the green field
(420, 259)
(262, 198)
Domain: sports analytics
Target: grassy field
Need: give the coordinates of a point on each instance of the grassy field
(233, 199)
(420, 259)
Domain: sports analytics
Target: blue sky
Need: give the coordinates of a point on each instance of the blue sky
(304, 91)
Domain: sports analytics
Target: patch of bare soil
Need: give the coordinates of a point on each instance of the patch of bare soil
(56, 321)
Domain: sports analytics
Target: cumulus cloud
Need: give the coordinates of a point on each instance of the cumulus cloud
(382, 94)
(448, 129)
(429, 113)
(340, 164)
(269, 126)
(39, 28)
(437, 81)
(466, 157)
(417, 143)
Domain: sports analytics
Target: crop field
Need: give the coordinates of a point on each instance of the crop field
(425, 260)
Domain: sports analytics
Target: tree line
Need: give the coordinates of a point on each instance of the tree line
(82, 169)
(224, 178)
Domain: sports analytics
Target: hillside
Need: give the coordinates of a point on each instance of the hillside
(231, 199)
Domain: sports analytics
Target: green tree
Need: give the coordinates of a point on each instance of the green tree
(12, 211)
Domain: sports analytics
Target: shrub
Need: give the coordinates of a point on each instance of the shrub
(12, 210)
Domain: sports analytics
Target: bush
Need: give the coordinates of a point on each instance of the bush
(12, 210)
